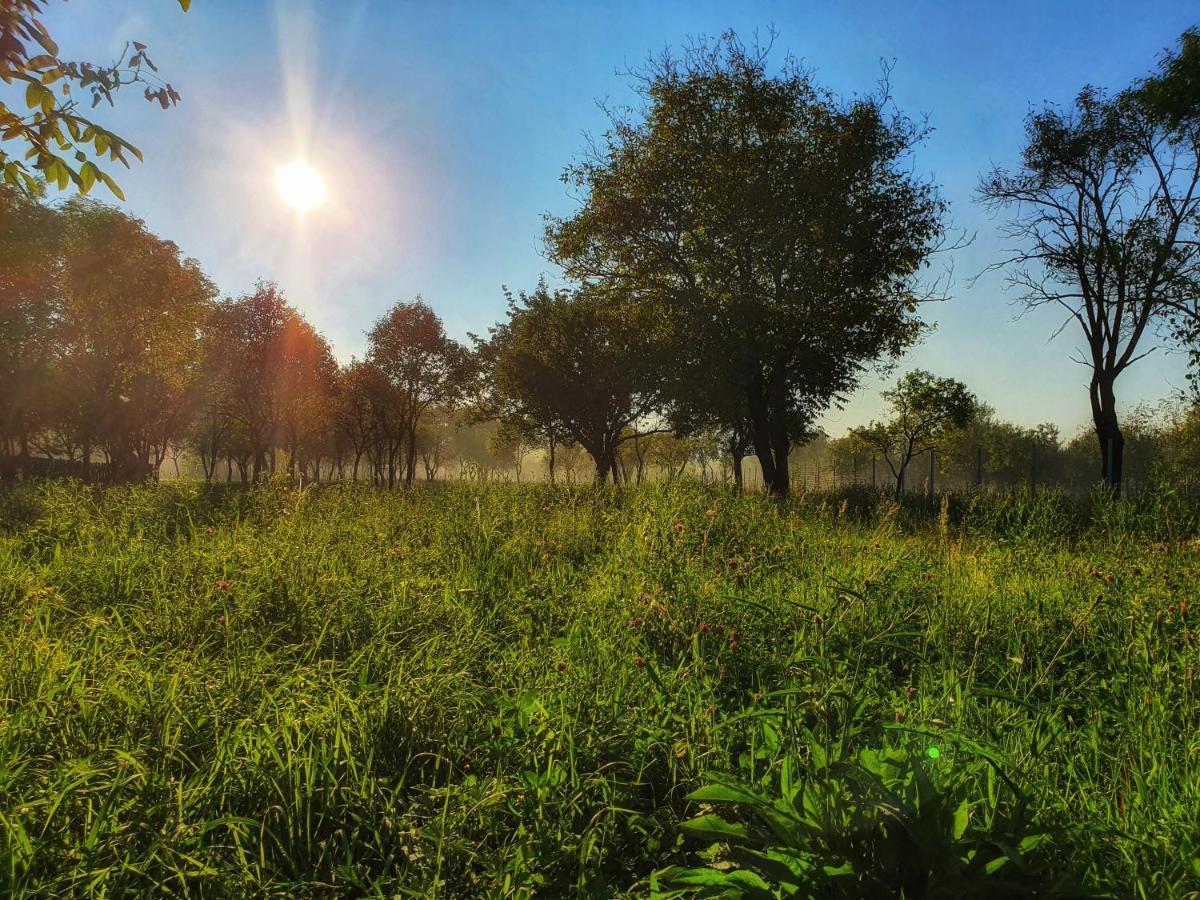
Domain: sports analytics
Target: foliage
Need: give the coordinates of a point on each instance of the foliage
(421, 365)
(894, 821)
(51, 123)
(579, 366)
(926, 410)
(772, 232)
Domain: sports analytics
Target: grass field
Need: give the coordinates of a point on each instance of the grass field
(503, 690)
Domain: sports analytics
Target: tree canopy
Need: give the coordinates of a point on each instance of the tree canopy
(775, 230)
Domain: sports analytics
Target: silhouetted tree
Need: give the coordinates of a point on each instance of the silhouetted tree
(772, 232)
(1105, 226)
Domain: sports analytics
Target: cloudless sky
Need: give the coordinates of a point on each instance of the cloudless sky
(443, 127)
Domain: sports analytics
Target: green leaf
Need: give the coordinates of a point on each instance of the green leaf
(35, 95)
(110, 184)
(712, 827)
(724, 793)
(962, 816)
(87, 176)
(739, 882)
(185, 5)
(995, 865)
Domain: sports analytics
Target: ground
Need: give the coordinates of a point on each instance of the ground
(506, 690)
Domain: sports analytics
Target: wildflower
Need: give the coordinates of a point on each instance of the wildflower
(1108, 579)
(705, 628)
(901, 715)
(224, 620)
(679, 526)
(910, 692)
(562, 666)
(1095, 574)
(222, 584)
(640, 662)
(758, 696)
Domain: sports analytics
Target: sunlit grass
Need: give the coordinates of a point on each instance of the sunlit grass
(500, 689)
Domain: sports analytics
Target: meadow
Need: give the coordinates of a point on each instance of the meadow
(528, 690)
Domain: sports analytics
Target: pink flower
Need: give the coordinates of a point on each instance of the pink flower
(679, 526)
(222, 584)
(640, 662)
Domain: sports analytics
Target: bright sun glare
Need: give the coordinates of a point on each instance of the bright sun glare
(300, 185)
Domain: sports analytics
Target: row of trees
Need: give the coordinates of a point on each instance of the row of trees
(940, 422)
(114, 346)
(747, 247)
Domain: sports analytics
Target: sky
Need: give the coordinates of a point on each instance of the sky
(442, 129)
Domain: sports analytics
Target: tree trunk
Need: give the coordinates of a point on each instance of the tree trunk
(1108, 431)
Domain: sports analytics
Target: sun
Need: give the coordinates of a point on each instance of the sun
(301, 186)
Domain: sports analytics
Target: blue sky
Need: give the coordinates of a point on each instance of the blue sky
(443, 127)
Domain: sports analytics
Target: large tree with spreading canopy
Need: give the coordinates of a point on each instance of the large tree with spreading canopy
(773, 232)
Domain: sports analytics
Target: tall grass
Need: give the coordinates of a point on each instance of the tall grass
(512, 690)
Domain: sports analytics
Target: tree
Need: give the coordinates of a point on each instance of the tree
(512, 442)
(51, 123)
(363, 387)
(772, 232)
(925, 411)
(435, 440)
(581, 364)
(29, 307)
(423, 366)
(1172, 97)
(270, 375)
(1105, 209)
(126, 338)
